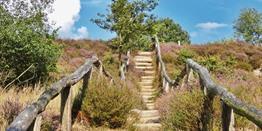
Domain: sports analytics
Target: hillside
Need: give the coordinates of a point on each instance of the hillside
(231, 65)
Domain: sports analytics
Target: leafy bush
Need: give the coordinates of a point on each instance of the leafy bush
(185, 54)
(26, 41)
(107, 105)
(183, 113)
(212, 63)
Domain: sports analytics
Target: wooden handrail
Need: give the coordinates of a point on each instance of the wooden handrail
(229, 102)
(30, 117)
(167, 82)
(212, 89)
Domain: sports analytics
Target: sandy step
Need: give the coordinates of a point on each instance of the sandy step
(148, 90)
(149, 113)
(147, 87)
(154, 119)
(143, 64)
(148, 127)
(144, 67)
(147, 77)
(143, 59)
(149, 72)
(145, 53)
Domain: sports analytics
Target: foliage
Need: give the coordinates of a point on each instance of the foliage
(127, 19)
(185, 54)
(183, 114)
(169, 31)
(107, 105)
(26, 40)
(249, 26)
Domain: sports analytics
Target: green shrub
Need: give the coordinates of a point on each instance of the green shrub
(108, 105)
(212, 63)
(184, 114)
(185, 54)
(26, 41)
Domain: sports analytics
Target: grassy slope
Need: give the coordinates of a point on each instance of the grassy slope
(75, 52)
(238, 77)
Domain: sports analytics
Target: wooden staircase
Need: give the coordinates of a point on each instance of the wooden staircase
(149, 118)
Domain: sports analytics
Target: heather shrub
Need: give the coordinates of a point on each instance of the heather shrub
(10, 109)
(183, 113)
(244, 66)
(108, 105)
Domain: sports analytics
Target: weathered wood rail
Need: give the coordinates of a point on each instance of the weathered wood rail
(30, 118)
(230, 104)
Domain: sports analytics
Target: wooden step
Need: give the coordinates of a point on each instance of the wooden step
(147, 87)
(144, 67)
(154, 119)
(143, 64)
(143, 59)
(149, 72)
(147, 90)
(149, 113)
(147, 77)
(145, 53)
(148, 127)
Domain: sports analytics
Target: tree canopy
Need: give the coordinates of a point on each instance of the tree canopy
(169, 31)
(128, 20)
(249, 26)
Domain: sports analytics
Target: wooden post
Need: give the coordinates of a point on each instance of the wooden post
(86, 79)
(163, 83)
(227, 118)
(66, 109)
(36, 125)
(207, 113)
(167, 87)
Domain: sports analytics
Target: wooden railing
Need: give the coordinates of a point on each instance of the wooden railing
(230, 104)
(166, 81)
(30, 117)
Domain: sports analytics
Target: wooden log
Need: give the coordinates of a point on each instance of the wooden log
(66, 109)
(250, 112)
(36, 125)
(227, 118)
(167, 87)
(28, 115)
(207, 112)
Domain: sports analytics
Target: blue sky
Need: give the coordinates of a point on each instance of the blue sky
(205, 20)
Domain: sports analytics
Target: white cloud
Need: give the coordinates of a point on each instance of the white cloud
(65, 15)
(81, 33)
(210, 25)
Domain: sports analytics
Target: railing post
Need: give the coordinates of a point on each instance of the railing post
(36, 125)
(207, 113)
(66, 109)
(86, 79)
(227, 118)
(167, 87)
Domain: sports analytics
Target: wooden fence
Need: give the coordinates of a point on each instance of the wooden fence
(230, 104)
(30, 118)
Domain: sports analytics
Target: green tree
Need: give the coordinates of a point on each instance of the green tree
(128, 20)
(169, 31)
(249, 26)
(26, 40)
